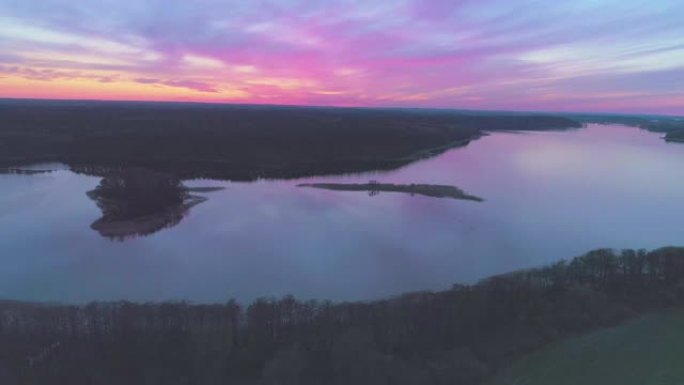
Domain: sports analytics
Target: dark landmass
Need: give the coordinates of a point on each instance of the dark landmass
(374, 188)
(139, 202)
(136, 192)
(675, 136)
(204, 189)
(239, 142)
(463, 335)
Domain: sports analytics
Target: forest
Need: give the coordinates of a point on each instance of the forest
(238, 142)
(139, 202)
(462, 335)
(675, 136)
(136, 192)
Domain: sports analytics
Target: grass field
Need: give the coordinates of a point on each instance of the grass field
(646, 351)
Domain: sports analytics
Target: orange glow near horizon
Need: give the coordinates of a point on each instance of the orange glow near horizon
(490, 54)
(16, 87)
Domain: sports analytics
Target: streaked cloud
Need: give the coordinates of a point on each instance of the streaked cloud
(625, 55)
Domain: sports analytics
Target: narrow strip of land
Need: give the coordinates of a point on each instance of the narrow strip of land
(429, 190)
(22, 171)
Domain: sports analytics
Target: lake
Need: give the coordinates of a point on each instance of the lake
(547, 196)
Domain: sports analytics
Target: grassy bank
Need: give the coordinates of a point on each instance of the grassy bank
(646, 350)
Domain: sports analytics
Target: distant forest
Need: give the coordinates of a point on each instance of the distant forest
(458, 336)
(239, 142)
(672, 127)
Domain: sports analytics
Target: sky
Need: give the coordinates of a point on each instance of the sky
(541, 55)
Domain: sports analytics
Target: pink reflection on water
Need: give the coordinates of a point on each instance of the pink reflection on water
(548, 195)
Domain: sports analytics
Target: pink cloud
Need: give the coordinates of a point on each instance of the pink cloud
(189, 84)
(498, 54)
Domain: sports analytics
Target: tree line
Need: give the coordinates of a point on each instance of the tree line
(457, 336)
(238, 142)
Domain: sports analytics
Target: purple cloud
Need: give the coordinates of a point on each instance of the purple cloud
(502, 54)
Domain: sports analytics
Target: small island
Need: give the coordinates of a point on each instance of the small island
(374, 188)
(140, 202)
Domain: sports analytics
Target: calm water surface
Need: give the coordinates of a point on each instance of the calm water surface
(548, 196)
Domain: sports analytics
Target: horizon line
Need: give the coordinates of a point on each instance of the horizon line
(333, 106)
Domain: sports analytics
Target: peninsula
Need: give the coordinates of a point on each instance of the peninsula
(373, 188)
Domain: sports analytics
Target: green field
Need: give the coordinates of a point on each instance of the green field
(647, 350)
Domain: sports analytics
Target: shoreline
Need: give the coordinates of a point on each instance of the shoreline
(243, 144)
